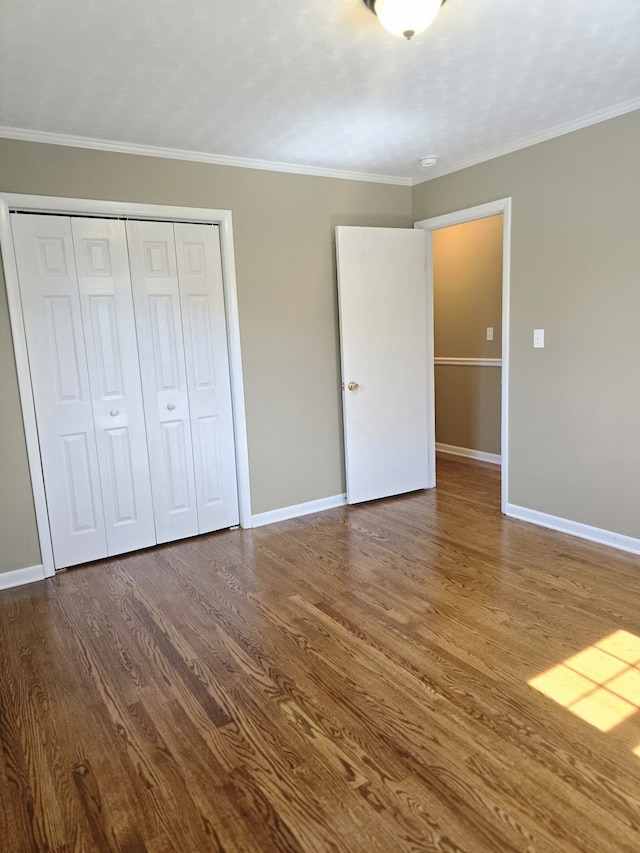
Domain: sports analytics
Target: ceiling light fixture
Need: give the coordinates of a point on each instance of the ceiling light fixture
(428, 161)
(406, 18)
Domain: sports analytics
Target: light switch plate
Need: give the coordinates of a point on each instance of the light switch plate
(489, 333)
(538, 338)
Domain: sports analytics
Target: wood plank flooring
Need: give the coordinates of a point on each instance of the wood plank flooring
(355, 680)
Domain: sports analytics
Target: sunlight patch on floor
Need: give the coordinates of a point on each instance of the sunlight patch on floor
(600, 684)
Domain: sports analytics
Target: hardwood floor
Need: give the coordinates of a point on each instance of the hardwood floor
(355, 680)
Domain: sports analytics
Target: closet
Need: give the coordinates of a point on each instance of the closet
(127, 345)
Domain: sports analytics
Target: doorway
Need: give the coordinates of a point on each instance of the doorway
(467, 308)
(484, 358)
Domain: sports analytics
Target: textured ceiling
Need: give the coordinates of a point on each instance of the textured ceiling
(316, 83)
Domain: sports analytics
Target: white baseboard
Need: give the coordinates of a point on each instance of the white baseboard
(467, 453)
(21, 576)
(574, 528)
(287, 512)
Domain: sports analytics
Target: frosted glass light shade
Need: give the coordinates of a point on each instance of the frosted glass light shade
(407, 17)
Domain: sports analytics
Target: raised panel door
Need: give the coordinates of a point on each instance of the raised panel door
(158, 319)
(61, 390)
(112, 357)
(207, 366)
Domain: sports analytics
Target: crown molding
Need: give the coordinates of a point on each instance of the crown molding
(296, 169)
(528, 141)
(195, 156)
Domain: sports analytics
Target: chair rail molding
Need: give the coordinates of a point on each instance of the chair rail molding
(468, 362)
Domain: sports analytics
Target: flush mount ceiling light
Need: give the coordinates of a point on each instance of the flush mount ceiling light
(405, 18)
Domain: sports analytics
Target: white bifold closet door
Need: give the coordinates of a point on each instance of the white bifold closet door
(179, 302)
(78, 316)
(127, 345)
(208, 376)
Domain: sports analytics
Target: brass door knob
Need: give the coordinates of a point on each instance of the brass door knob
(353, 386)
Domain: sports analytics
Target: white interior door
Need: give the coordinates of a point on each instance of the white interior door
(208, 380)
(152, 259)
(386, 342)
(112, 356)
(61, 389)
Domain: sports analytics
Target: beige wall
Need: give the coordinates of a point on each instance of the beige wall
(467, 289)
(575, 271)
(467, 298)
(574, 406)
(284, 231)
(468, 407)
(18, 533)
